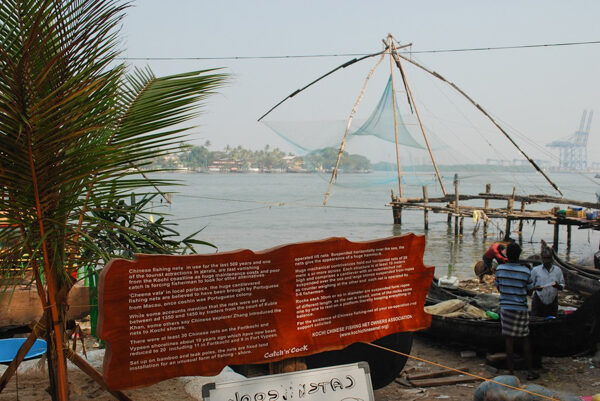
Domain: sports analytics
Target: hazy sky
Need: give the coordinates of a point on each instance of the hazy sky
(539, 92)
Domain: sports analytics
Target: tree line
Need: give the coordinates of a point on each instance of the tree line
(201, 158)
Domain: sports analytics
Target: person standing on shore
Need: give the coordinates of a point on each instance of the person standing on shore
(513, 281)
(547, 281)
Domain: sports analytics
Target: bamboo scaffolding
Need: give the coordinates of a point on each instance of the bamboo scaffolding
(411, 99)
(485, 113)
(348, 125)
(398, 166)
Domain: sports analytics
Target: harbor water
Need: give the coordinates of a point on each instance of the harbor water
(261, 211)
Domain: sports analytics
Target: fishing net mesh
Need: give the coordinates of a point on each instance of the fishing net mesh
(462, 142)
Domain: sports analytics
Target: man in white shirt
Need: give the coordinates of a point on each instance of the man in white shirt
(547, 281)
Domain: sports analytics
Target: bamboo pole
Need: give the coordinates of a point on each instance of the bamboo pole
(394, 54)
(93, 373)
(348, 125)
(533, 163)
(37, 331)
(391, 43)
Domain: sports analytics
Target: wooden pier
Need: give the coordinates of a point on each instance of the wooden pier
(450, 205)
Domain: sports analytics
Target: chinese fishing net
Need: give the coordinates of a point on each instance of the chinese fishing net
(462, 142)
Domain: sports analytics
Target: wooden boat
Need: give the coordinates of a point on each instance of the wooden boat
(384, 366)
(578, 278)
(567, 334)
(22, 306)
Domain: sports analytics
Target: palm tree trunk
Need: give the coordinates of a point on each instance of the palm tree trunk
(53, 354)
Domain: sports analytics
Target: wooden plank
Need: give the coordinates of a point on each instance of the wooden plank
(444, 381)
(436, 373)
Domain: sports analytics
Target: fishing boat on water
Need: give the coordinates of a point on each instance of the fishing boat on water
(564, 335)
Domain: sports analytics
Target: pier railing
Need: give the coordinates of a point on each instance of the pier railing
(450, 205)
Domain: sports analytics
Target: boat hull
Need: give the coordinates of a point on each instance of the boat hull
(565, 335)
(384, 365)
(23, 306)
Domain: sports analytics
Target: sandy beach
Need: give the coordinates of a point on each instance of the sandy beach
(575, 375)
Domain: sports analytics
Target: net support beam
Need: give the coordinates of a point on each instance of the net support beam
(348, 125)
(411, 99)
(485, 113)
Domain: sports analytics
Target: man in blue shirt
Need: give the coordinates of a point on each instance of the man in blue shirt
(547, 281)
(513, 281)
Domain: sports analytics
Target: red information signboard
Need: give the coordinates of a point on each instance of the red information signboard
(167, 316)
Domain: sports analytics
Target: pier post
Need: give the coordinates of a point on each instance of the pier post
(509, 209)
(461, 225)
(486, 205)
(555, 239)
(456, 206)
(521, 224)
(568, 239)
(521, 220)
(425, 211)
(397, 211)
(507, 229)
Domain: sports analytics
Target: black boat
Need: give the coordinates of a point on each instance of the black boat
(584, 280)
(580, 279)
(565, 335)
(384, 366)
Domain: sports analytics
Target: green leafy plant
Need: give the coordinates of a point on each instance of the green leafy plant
(74, 130)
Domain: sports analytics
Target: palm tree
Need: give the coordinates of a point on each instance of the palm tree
(73, 127)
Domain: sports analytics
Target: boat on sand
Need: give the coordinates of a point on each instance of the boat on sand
(564, 335)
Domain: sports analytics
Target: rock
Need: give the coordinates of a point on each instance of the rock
(468, 354)
(489, 391)
(491, 369)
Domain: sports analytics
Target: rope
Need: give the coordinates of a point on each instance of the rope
(267, 204)
(461, 372)
(472, 49)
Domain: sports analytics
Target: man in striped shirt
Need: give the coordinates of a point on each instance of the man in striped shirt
(513, 281)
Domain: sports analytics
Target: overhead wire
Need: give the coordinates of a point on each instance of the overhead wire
(431, 51)
(544, 151)
(475, 129)
(266, 205)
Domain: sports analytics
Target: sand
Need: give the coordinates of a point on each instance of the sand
(576, 375)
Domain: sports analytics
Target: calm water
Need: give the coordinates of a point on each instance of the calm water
(259, 211)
